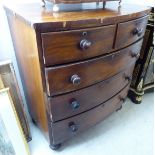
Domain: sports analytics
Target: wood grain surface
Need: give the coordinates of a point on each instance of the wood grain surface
(130, 32)
(61, 130)
(54, 70)
(58, 79)
(64, 47)
(61, 106)
(44, 20)
(24, 39)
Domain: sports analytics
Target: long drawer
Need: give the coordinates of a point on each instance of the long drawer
(62, 130)
(66, 78)
(70, 104)
(70, 46)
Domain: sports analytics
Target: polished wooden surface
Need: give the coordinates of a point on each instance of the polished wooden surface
(44, 20)
(61, 130)
(101, 41)
(129, 32)
(90, 72)
(62, 106)
(53, 71)
(28, 62)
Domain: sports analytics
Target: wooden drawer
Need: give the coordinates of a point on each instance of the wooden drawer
(66, 78)
(69, 46)
(62, 130)
(70, 104)
(130, 32)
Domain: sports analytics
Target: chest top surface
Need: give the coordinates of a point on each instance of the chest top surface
(34, 14)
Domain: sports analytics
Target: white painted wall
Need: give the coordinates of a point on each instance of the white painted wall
(6, 46)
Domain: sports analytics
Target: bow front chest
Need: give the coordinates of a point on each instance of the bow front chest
(76, 67)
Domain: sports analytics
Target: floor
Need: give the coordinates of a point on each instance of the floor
(126, 132)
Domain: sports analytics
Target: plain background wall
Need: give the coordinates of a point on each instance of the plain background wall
(6, 46)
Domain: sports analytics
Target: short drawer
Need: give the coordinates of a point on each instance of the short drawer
(66, 78)
(130, 32)
(62, 130)
(70, 46)
(71, 104)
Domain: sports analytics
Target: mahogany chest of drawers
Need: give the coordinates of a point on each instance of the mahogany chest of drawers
(76, 67)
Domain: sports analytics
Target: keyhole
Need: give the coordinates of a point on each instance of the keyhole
(84, 33)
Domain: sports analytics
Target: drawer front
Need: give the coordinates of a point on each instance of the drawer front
(69, 46)
(70, 104)
(67, 78)
(130, 32)
(62, 130)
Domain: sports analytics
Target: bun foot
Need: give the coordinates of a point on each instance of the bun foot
(55, 147)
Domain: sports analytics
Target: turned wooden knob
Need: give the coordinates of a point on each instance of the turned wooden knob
(137, 31)
(74, 104)
(84, 44)
(129, 78)
(136, 55)
(73, 127)
(75, 79)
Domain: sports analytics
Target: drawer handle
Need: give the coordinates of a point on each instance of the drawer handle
(135, 55)
(84, 44)
(75, 79)
(75, 104)
(73, 127)
(138, 31)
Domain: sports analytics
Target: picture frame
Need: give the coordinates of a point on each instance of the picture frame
(9, 80)
(11, 134)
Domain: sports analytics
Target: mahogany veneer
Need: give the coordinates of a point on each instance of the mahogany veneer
(100, 41)
(75, 65)
(89, 72)
(71, 126)
(63, 106)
